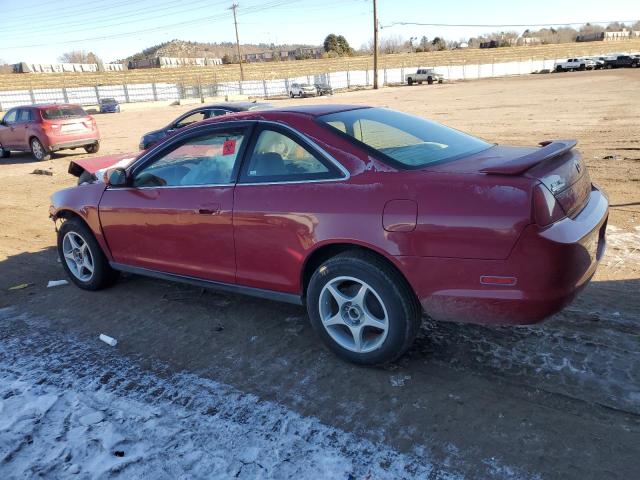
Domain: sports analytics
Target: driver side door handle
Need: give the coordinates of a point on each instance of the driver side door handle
(210, 209)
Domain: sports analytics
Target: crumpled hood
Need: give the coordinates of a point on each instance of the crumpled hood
(100, 164)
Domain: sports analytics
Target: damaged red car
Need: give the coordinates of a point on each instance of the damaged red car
(367, 216)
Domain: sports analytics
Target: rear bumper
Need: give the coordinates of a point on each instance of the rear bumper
(73, 144)
(550, 265)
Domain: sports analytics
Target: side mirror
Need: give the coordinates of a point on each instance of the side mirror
(115, 177)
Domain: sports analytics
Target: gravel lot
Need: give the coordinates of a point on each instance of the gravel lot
(559, 400)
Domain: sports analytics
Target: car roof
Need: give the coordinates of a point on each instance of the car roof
(273, 113)
(53, 105)
(318, 110)
(233, 106)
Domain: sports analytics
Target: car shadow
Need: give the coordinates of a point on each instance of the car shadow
(465, 385)
(21, 158)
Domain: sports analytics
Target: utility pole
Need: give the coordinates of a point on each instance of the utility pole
(235, 21)
(375, 46)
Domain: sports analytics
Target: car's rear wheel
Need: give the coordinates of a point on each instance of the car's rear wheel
(38, 151)
(362, 308)
(291, 94)
(93, 148)
(410, 81)
(4, 153)
(430, 80)
(82, 257)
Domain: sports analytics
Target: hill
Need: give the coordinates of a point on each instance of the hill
(186, 49)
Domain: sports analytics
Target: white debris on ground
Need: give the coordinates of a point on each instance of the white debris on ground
(108, 340)
(623, 248)
(56, 283)
(68, 407)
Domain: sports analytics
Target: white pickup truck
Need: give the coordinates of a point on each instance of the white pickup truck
(423, 75)
(571, 64)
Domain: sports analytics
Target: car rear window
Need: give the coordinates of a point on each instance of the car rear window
(404, 140)
(55, 113)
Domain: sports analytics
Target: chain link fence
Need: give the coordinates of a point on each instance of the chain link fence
(349, 79)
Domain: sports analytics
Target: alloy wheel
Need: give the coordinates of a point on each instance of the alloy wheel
(77, 256)
(37, 149)
(353, 314)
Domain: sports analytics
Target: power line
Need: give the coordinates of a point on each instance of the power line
(132, 13)
(218, 17)
(120, 18)
(393, 24)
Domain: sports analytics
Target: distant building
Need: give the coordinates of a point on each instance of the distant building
(528, 41)
(624, 34)
(489, 44)
(24, 67)
(173, 62)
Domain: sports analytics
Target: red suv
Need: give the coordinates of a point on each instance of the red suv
(42, 129)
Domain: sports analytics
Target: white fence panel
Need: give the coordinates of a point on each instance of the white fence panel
(14, 98)
(49, 95)
(112, 91)
(82, 95)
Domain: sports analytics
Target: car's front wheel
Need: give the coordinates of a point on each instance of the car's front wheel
(38, 151)
(82, 257)
(93, 148)
(362, 308)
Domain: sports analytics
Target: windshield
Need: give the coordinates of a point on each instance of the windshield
(407, 140)
(108, 101)
(55, 113)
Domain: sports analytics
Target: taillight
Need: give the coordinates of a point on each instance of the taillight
(50, 127)
(546, 208)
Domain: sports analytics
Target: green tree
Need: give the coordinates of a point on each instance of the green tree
(337, 44)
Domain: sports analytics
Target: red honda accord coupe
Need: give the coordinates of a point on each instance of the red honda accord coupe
(367, 215)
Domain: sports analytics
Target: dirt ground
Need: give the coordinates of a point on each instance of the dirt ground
(559, 400)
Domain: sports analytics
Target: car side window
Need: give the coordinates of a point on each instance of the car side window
(216, 112)
(206, 159)
(10, 116)
(193, 118)
(277, 157)
(24, 115)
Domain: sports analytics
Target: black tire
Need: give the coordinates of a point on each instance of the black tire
(410, 81)
(430, 80)
(38, 151)
(4, 153)
(103, 275)
(93, 148)
(582, 67)
(403, 312)
(291, 94)
(558, 68)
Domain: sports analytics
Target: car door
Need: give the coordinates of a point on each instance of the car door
(7, 129)
(282, 191)
(175, 215)
(21, 128)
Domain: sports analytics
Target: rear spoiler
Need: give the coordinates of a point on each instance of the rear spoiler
(520, 165)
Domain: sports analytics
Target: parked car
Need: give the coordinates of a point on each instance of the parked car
(598, 62)
(43, 129)
(572, 64)
(302, 90)
(109, 105)
(197, 115)
(323, 89)
(622, 61)
(367, 216)
(423, 75)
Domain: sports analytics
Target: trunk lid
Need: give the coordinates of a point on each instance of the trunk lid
(555, 164)
(93, 165)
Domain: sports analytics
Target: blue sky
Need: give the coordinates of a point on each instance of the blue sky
(40, 31)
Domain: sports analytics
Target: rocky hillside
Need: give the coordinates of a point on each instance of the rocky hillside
(184, 49)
